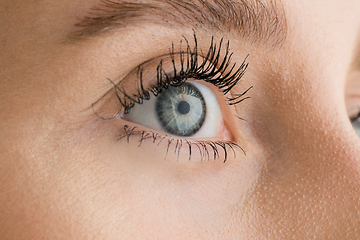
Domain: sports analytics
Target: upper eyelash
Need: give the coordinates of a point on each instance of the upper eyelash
(210, 70)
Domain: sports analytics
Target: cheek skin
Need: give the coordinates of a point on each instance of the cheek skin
(87, 184)
(187, 199)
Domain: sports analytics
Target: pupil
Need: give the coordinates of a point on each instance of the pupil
(183, 107)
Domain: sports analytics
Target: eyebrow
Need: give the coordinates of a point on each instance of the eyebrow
(255, 20)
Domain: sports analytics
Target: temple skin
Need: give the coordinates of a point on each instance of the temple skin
(64, 173)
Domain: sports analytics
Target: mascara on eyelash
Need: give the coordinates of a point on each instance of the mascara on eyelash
(214, 70)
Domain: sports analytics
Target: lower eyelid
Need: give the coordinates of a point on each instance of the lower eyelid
(182, 148)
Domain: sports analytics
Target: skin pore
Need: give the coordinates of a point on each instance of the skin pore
(64, 173)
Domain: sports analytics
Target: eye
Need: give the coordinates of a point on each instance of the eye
(352, 100)
(352, 105)
(188, 110)
(180, 95)
(355, 121)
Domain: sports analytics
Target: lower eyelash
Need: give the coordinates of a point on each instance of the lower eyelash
(207, 149)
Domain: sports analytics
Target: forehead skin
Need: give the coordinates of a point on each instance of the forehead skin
(62, 175)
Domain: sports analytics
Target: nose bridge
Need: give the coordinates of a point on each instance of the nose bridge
(309, 126)
(312, 163)
(330, 150)
(318, 124)
(313, 138)
(302, 106)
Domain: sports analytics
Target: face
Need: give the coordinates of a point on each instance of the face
(125, 123)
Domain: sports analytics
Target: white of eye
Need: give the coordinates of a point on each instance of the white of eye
(145, 114)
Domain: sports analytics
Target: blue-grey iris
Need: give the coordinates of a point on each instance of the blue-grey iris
(181, 110)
